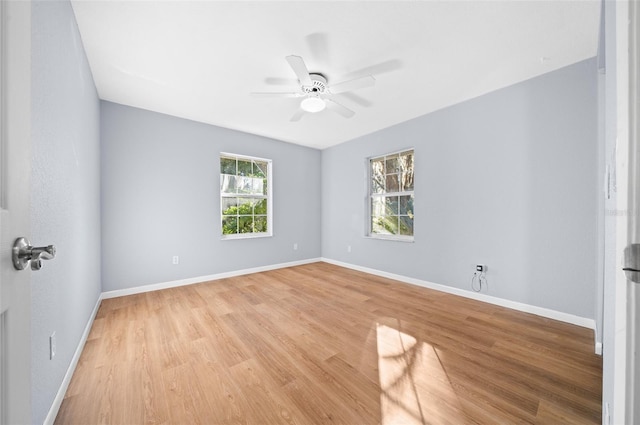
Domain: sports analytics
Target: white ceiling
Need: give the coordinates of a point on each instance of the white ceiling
(201, 59)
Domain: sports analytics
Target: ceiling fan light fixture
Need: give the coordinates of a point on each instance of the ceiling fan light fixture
(312, 104)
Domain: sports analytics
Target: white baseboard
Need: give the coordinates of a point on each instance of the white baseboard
(598, 348)
(191, 281)
(514, 305)
(57, 401)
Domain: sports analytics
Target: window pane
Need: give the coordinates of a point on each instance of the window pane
(406, 182)
(406, 161)
(229, 206)
(406, 225)
(249, 185)
(227, 184)
(406, 166)
(377, 166)
(243, 184)
(377, 184)
(260, 207)
(376, 225)
(259, 169)
(228, 166)
(229, 225)
(377, 206)
(392, 164)
(390, 224)
(244, 168)
(245, 224)
(391, 204)
(377, 175)
(406, 205)
(257, 186)
(245, 206)
(385, 225)
(392, 183)
(260, 223)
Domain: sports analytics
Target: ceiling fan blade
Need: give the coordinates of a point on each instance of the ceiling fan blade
(276, 94)
(356, 83)
(274, 81)
(339, 109)
(357, 99)
(297, 64)
(377, 69)
(319, 47)
(296, 117)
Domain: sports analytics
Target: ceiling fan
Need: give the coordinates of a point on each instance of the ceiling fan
(316, 92)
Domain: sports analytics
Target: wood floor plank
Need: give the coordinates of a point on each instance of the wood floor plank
(321, 344)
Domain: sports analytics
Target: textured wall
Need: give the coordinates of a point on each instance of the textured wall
(507, 179)
(65, 195)
(160, 198)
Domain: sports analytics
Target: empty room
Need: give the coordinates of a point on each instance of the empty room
(304, 212)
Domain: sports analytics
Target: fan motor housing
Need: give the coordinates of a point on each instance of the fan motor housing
(319, 84)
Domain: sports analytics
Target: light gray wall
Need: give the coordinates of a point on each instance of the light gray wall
(506, 179)
(160, 198)
(65, 198)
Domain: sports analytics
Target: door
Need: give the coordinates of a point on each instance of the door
(15, 157)
(633, 287)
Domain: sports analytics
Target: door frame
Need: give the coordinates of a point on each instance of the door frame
(632, 414)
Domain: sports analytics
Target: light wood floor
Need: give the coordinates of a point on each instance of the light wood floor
(320, 344)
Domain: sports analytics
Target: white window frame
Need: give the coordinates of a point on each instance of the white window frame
(268, 197)
(370, 196)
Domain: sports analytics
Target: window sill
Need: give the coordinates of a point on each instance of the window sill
(245, 236)
(409, 239)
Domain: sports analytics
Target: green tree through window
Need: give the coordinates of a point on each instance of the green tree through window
(244, 196)
(391, 195)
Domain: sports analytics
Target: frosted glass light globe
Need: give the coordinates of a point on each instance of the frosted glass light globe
(313, 104)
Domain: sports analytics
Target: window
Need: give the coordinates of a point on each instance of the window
(391, 196)
(245, 196)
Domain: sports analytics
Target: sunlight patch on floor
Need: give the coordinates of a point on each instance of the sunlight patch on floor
(415, 388)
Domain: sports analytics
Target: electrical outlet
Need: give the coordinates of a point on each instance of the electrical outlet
(176, 259)
(52, 346)
(348, 248)
(295, 246)
(481, 268)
